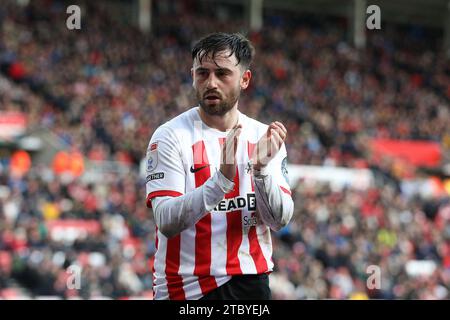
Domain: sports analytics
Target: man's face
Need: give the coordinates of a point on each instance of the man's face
(218, 82)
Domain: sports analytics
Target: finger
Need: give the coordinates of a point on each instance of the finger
(268, 131)
(229, 151)
(272, 126)
(279, 124)
(281, 129)
(234, 136)
(276, 138)
(236, 140)
(233, 131)
(237, 126)
(275, 135)
(274, 142)
(280, 132)
(231, 145)
(277, 130)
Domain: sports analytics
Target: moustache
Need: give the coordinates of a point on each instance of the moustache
(212, 94)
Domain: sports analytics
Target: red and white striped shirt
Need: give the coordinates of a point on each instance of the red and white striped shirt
(228, 237)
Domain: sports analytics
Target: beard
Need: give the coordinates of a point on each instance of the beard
(224, 105)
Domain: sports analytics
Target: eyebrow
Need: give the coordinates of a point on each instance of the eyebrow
(217, 69)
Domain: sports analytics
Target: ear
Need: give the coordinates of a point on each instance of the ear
(192, 76)
(245, 79)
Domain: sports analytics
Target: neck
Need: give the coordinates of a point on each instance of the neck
(224, 122)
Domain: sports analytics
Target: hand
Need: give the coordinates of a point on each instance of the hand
(228, 156)
(269, 145)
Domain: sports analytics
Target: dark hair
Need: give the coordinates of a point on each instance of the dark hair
(217, 42)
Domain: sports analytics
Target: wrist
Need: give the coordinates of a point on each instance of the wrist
(224, 183)
(258, 169)
(255, 165)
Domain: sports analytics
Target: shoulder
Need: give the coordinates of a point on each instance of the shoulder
(175, 129)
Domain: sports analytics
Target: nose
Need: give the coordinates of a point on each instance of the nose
(211, 82)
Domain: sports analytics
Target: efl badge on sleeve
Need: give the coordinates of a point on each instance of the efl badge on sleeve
(284, 170)
(152, 161)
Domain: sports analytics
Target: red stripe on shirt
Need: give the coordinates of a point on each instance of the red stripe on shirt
(234, 232)
(203, 235)
(255, 248)
(174, 280)
(161, 193)
(234, 229)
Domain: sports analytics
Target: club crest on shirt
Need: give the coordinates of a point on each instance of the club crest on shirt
(152, 161)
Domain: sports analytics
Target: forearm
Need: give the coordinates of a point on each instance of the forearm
(275, 207)
(175, 214)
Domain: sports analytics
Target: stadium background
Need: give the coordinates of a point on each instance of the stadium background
(369, 140)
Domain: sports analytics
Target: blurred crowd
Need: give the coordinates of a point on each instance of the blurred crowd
(104, 89)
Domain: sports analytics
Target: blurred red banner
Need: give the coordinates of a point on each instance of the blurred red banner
(417, 153)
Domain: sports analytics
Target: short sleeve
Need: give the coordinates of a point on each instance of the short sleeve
(165, 175)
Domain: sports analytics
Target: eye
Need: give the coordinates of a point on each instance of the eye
(221, 73)
(202, 73)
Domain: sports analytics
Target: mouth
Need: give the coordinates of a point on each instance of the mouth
(212, 98)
